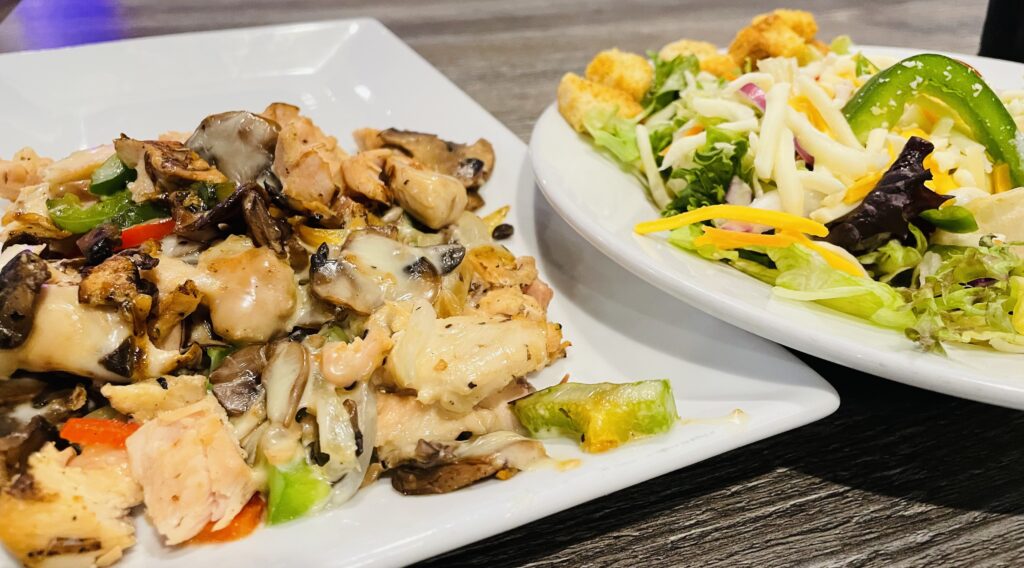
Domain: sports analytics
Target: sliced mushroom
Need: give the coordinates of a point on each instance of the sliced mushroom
(373, 269)
(442, 468)
(415, 480)
(173, 308)
(435, 199)
(117, 282)
(471, 164)
(240, 144)
(268, 231)
(21, 280)
(163, 166)
(100, 243)
(17, 446)
(16, 391)
(29, 409)
(236, 382)
(194, 220)
(285, 379)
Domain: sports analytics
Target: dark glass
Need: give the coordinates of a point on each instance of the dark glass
(1003, 34)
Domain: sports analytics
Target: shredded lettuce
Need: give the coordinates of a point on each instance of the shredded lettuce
(893, 258)
(805, 276)
(752, 261)
(663, 134)
(723, 157)
(669, 79)
(969, 298)
(614, 133)
(864, 65)
(840, 45)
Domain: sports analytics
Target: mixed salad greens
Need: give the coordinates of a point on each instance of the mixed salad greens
(888, 190)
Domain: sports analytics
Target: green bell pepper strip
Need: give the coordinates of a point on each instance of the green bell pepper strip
(111, 177)
(601, 416)
(954, 219)
(294, 491)
(68, 213)
(217, 354)
(880, 103)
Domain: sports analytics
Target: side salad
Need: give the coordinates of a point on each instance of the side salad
(886, 189)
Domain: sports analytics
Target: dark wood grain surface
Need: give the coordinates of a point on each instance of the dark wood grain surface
(897, 476)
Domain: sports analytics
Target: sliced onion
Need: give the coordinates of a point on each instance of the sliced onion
(755, 94)
(366, 404)
(739, 193)
(803, 153)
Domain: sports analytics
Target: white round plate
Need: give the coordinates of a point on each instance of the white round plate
(603, 203)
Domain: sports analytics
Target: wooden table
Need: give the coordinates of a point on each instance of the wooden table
(897, 476)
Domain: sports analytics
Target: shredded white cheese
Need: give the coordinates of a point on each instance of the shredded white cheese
(771, 129)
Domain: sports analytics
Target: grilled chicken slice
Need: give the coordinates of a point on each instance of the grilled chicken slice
(459, 361)
(144, 400)
(251, 293)
(433, 198)
(307, 161)
(402, 421)
(22, 170)
(191, 469)
(75, 512)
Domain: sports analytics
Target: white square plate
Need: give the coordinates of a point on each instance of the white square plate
(348, 74)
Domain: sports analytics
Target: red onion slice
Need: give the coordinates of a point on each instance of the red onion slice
(804, 154)
(755, 94)
(739, 193)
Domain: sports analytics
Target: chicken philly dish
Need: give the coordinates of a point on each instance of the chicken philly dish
(246, 324)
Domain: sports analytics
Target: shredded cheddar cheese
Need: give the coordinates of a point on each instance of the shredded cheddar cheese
(776, 219)
(831, 257)
(860, 188)
(914, 132)
(804, 105)
(1001, 178)
(727, 240)
(941, 182)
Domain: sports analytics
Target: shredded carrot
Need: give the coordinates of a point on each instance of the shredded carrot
(97, 431)
(725, 240)
(776, 219)
(1001, 178)
(245, 522)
